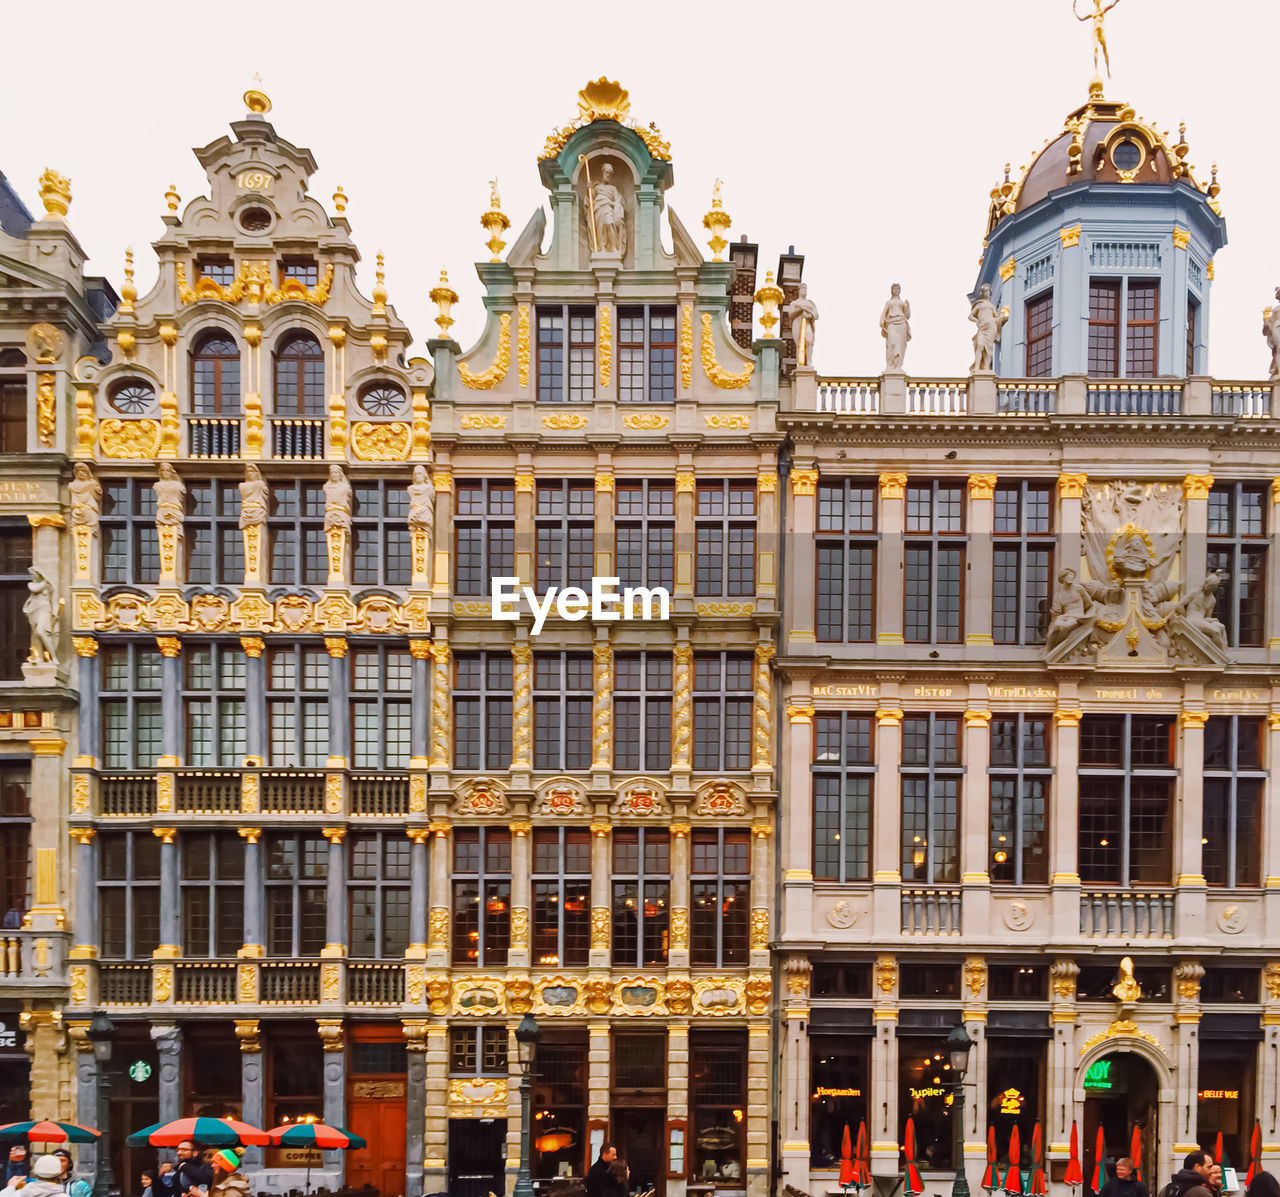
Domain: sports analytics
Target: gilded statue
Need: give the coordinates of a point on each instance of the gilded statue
(171, 497)
(86, 498)
(804, 317)
(337, 500)
(255, 497)
(1098, 17)
(422, 501)
(1127, 990)
(990, 321)
(895, 327)
(1271, 330)
(41, 611)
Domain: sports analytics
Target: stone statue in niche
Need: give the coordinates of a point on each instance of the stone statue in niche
(1271, 330)
(337, 500)
(422, 501)
(255, 496)
(608, 213)
(804, 318)
(1071, 606)
(41, 610)
(1198, 610)
(990, 321)
(86, 498)
(171, 497)
(895, 327)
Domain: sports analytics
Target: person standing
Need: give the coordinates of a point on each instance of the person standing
(1193, 1178)
(600, 1181)
(1123, 1184)
(227, 1181)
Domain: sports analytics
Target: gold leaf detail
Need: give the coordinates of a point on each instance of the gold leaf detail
(501, 361)
(726, 380)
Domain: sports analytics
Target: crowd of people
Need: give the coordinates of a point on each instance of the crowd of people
(1199, 1176)
(197, 1173)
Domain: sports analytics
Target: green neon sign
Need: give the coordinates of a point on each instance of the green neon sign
(1099, 1075)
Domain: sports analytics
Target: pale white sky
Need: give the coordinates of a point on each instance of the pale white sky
(867, 134)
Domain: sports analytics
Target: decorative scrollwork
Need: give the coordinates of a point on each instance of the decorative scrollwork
(726, 380)
(501, 361)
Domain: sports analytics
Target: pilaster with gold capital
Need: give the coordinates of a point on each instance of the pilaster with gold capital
(979, 582)
(441, 706)
(802, 519)
(1068, 522)
(762, 709)
(886, 847)
(682, 709)
(522, 706)
(891, 520)
(1195, 546)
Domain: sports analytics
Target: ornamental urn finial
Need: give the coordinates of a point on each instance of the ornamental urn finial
(444, 297)
(172, 198)
(339, 200)
(55, 194)
(717, 222)
(380, 288)
(128, 291)
(495, 222)
(769, 297)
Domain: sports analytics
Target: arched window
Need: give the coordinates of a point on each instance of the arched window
(215, 375)
(300, 377)
(132, 395)
(382, 398)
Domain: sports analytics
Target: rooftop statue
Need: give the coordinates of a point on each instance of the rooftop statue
(895, 327)
(607, 213)
(1271, 330)
(1098, 17)
(990, 321)
(804, 315)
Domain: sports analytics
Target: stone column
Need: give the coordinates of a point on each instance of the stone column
(1070, 493)
(1189, 829)
(335, 1087)
(979, 580)
(1064, 805)
(526, 530)
(255, 700)
(796, 837)
(761, 894)
(597, 1074)
(762, 731)
(886, 846)
(682, 710)
(1060, 1107)
(794, 1086)
(522, 707)
(679, 955)
(252, 1089)
(168, 1040)
(521, 892)
(420, 716)
(686, 534)
(974, 1014)
(84, 916)
(86, 1101)
(339, 722)
(418, 892)
(605, 535)
(87, 712)
(601, 905)
(883, 1114)
(440, 895)
(254, 927)
(890, 556)
(171, 702)
(335, 926)
(441, 723)
(975, 815)
(1187, 975)
(677, 1100)
(759, 1075)
(170, 899)
(426, 1087)
(768, 534)
(602, 710)
(1195, 545)
(802, 556)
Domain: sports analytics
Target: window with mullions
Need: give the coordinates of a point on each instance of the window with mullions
(556, 384)
(1193, 320)
(933, 564)
(299, 376)
(131, 719)
(846, 561)
(15, 631)
(215, 375)
(646, 354)
(726, 528)
(381, 681)
(642, 711)
(1138, 302)
(378, 894)
(295, 527)
(722, 697)
(561, 890)
(477, 1051)
(481, 896)
(1127, 779)
(297, 866)
(1019, 777)
(130, 546)
(13, 409)
(485, 535)
(298, 706)
(645, 531)
(15, 838)
(1142, 309)
(482, 710)
(380, 534)
(565, 518)
(213, 884)
(220, 270)
(1039, 313)
(128, 894)
(304, 269)
(843, 776)
(213, 705)
(1022, 562)
(1234, 783)
(562, 695)
(211, 532)
(641, 897)
(931, 775)
(720, 898)
(1238, 551)
(1104, 328)
(717, 1097)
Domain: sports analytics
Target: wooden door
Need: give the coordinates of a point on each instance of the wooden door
(376, 1112)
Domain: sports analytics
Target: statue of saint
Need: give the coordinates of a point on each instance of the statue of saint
(42, 614)
(986, 336)
(1071, 608)
(337, 500)
(609, 214)
(422, 501)
(1271, 330)
(86, 498)
(171, 497)
(255, 496)
(895, 327)
(1098, 17)
(1199, 607)
(804, 316)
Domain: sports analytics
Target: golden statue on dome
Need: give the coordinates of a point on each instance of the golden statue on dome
(1098, 17)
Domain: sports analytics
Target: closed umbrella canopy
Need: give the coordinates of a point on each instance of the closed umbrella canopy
(1255, 1149)
(208, 1132)
(1074, 1174)
(1135, 1153)
(1038, 1187)
(1099, 1163)
(913, 1183)
(862, 1159)
(1013, 1177)
(47, 1131)
(847, 1172)
(991, 1177)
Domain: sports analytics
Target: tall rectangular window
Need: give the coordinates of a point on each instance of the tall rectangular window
(933, 563)
(298, 706)
(1127, 778)
(1238, 553)
(481, 896)
(482, 710)
(561, 888)
(478, 1051)
(295, 529)
(646, 354)
(1142, 325)
(641, 897)
(645, 532)
(1039, 317)
(128, 894)
(13, 408)
(213, 885)
(931, 774)
(296, 867)
(565, 519)
(485, 535)
(720, 898)
(722, 696)
(846, 561)
(1234, 784)
(130, 545)
(381, 682)
(1193, 330)
(642, 712)
(562, 692)
(844, 774)
(380, 534)
(15, 838)
(717, 1097)
(131, 719)
(211, 532)
(1022, 562)
(378, 894)
(213, 704)
(726, 531)
(15, 631)
(1020, 774)
(1104, 328)
(566, 332)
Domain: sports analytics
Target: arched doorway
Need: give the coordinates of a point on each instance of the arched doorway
(1121, 1091)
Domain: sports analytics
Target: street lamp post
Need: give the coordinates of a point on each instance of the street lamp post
(526, 1048)
(958, 1045)
(100, 1034)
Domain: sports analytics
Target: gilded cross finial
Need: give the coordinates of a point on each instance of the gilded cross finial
(172, 198)
(494, 222)
(444, 297)
(339, 201)
(717, 222)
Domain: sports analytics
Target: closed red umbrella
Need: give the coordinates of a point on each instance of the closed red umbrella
(1013, 1176)
(1135, 1153)
(847, 1172)
(1255, 1150)
(1038, 1187)
(991, 1177)
(912, 1182)
(862, 1159)
(1074, 1174)
(1217, 1149)
(1099, 1163)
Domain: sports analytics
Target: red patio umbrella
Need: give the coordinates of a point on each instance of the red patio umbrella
(1099, 1177)
(318, 1136)
(208, 1132)
(1255, 1150)
(862, 1159)
(1013, 1175)
(847, 1171)
(991, 1177)
(1135, 1153)
(1038, 1187)
(913, 1184)
(45, 1130)
(1074, 1174)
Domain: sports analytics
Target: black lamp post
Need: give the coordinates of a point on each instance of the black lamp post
(958, 1045)
(526, 1048)
(100, 1034)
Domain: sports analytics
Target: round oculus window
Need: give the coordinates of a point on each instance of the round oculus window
(133, 396)
(1127, 155)
(255, 220)
(382, 399)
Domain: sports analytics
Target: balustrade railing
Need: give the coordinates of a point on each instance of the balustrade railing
(292, 793)
(931, 912)
(286, 984)
(124, 984)
(937, 396)
(856, 396)
(205, 984)
(128, 793)
(297, 438)
(1019, 397)
(375, 984)
(207, 793)
(213, 438)
(1125, 914)
(1133, 399)
(379, 794)
(10, 956)
(1247, 400)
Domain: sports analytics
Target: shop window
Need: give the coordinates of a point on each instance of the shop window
(840, 1072)
(295, 1085)
(1015, 1090)
(1227, 1082)
(841, 980)
(930, 981)
(717, 1103)
(925, 1094)
(639, 1062)
(1239, 985)
(1096, 981)
(1018, 982)
(560, 1107)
